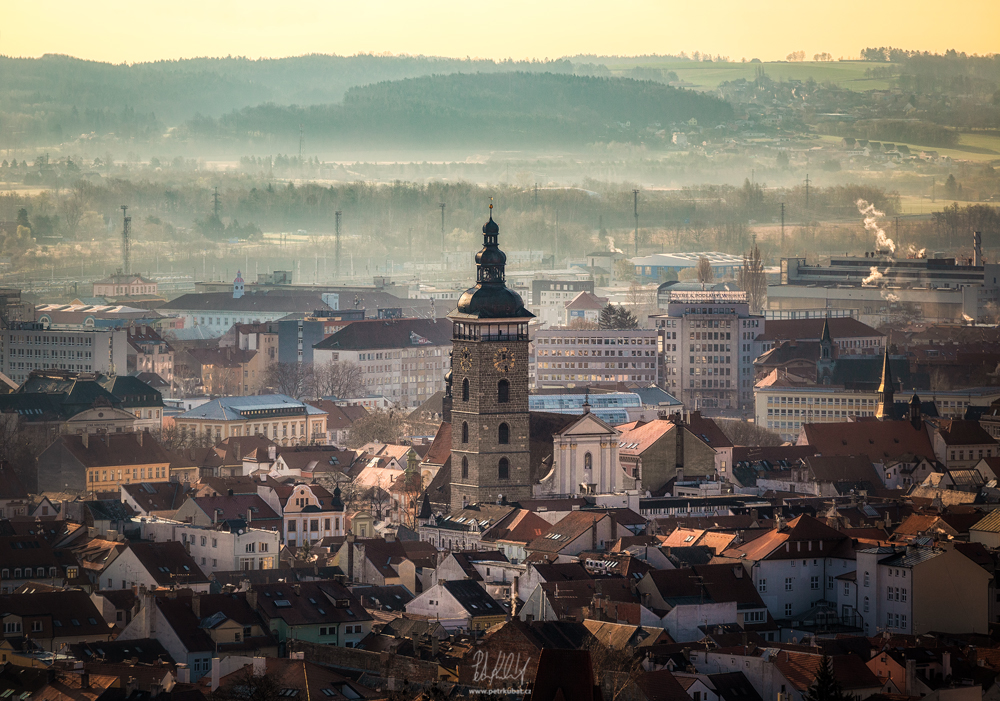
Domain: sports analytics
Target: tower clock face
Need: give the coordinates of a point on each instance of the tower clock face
(465, 360)
(503, 359)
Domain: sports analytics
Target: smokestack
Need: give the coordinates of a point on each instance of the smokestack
(977, 248)
(215, 673)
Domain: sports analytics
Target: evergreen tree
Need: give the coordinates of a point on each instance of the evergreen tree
(826, 687)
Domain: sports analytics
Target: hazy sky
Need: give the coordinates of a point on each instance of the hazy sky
(117, 31)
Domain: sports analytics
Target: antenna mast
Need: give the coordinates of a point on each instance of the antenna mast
(635, 206)
(337, 215)
(126, 242)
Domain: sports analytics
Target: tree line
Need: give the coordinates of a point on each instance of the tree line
(515, 109)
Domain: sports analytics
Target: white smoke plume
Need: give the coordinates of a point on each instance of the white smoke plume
(611, 245)
(874, 277)
(890, 297)
(910, 250)
(968, 319)
(872, 216)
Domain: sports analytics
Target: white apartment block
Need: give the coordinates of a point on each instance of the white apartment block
(566, 358)
(707, 344)
(217, 548)
(403, 360)
(32, 346)
(549, 298)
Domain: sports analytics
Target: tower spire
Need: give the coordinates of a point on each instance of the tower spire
(886, 391)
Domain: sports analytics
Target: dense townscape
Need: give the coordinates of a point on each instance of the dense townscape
(711, 411)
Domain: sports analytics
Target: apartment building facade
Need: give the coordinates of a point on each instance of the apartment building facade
(707, 342)
(403, 360)
(31, 346)
(569, 358)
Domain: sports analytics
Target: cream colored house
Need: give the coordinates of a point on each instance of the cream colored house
(584, 461)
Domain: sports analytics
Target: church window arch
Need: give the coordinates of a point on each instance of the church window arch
(465, 467)
(503, 434)
(503, 469)
(503, 392)
(465, 432)
(465, 390)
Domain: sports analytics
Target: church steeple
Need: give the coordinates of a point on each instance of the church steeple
(886, 391)
(490, 454)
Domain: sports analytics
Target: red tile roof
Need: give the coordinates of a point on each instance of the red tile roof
(876, 439)
(803, 537)
(800, 670)
(637, 440)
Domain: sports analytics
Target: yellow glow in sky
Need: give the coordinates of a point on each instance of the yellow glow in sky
(119, 31)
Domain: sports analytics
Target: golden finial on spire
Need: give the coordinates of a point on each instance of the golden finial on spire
(491, 203)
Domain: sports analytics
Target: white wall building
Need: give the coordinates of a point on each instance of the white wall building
(35, 346)
(219, 548)
(707, 344)
(566, 358)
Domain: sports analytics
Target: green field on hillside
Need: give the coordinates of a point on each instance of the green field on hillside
(708, 75)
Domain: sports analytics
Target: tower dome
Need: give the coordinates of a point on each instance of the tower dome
(491, 298)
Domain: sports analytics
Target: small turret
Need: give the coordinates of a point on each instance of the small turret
(238, 285)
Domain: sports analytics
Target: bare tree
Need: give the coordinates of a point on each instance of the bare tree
(615, 669)
(641, 301)
(20, 448)
(753, 280)
(341, 379)
(378, 426)
(378, 499)
(704, 270)
(748, 434)
(248, 686)
(579, 323)
(292, 379)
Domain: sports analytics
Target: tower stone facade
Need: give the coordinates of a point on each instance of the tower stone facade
(490, 454)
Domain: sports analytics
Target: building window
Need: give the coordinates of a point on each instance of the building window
(788, 583)
(465, 390)
(866, 604)
(465, 467)
(814, 582)
(788, 610)
(504, 469)
(866, 579)
(762, 585)
(465, 432)
(503, 434)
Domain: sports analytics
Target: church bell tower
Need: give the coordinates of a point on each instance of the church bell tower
(490, 458)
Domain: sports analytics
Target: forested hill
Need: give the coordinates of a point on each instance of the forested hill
(513, 110)
(48, 99)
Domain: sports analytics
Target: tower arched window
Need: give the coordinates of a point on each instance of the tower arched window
(465, 467)
(588, 461)
(465, 432)
(503, 392)
(465, 390)
(503, 470)
(503, 434)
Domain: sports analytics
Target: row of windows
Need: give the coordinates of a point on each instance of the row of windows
(503, 468)
(503, 391)
(619, 341)
(503, 433)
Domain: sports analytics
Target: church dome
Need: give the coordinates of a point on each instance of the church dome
(492, 301)
(491, 298)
